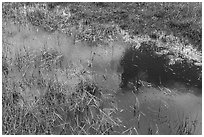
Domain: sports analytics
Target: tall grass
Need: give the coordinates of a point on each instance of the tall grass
(41, 95)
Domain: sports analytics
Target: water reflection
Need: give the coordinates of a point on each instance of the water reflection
(155, 111)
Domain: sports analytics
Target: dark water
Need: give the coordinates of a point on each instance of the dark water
(157, 68)
(158, 109)
(154, 110)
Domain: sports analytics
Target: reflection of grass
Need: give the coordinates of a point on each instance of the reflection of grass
(161, 120)
(186, 126)
(40, 95)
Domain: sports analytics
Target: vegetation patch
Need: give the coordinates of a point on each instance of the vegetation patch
(43, 94)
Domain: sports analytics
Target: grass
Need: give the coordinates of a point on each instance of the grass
(181, 19)
(37, 99)
(186, 126)
(42, 94)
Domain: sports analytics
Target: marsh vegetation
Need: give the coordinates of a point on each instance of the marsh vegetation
(101, 68)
